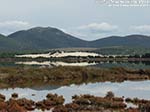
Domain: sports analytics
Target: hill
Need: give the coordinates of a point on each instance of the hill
(40, 38)
(7, 44)
(45, 38)
(128, 41)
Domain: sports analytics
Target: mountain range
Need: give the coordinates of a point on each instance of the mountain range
(42, 38)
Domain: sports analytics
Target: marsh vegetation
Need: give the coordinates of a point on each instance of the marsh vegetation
(26, 76)
(80, 103)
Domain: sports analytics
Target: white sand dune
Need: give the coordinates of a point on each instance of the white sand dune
(60, 54)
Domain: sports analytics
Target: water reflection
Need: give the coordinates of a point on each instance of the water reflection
(140, 89)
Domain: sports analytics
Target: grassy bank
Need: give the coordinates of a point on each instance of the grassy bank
(28, 77)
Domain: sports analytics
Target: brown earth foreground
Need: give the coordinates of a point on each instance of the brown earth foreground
(82, 103)
(29, 76)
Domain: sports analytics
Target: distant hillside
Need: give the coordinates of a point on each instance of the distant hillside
(45, 38)
(7, 44)
(128, 41)
(40, 38)
(122, 50)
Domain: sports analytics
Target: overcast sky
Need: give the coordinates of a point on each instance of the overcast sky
(86, 19)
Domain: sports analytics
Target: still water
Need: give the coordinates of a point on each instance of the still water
(139, 89)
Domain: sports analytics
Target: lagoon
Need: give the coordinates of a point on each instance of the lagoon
(139, 89)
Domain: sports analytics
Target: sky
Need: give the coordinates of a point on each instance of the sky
(85, 19)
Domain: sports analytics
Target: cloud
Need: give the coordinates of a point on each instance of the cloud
(141, 29)
(8, 27)
(99, 27)
(94, 31)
